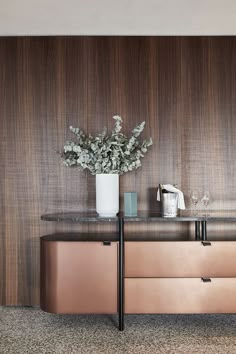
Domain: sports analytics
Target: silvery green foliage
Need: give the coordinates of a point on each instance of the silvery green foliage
(113, 153)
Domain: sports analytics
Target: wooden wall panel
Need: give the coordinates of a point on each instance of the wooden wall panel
(183, 87)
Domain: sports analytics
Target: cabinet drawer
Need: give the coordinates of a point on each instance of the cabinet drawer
(179, 295)
(79, 277)
(180, 259)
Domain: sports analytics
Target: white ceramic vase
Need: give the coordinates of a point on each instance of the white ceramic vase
(107, 194)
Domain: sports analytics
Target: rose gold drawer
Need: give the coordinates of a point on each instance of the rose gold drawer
(180, 259)
(180, 295)
(79, 277)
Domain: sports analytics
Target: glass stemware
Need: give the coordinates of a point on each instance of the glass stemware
(206, 199)
(194, 196)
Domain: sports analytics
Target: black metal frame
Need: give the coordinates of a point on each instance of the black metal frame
(197, 230)
(121, 274)
(204, 230)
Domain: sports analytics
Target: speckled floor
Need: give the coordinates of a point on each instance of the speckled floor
(30, 330)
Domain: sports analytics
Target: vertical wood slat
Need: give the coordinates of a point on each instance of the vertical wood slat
(183, 87)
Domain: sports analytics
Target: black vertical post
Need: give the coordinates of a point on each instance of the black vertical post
(197, 230)
(204, 230)
(121, 274)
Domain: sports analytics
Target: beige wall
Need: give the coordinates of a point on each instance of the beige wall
(133, 17)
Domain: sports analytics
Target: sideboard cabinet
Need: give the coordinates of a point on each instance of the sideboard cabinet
(78, 276)
(180, 277)
(114, 274)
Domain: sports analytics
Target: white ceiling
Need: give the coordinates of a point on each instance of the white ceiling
(120, 17)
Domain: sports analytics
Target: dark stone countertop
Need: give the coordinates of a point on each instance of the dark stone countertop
(142, 216)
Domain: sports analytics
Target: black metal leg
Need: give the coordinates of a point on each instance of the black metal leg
(204, 230)
(197, 230)
(121, 274)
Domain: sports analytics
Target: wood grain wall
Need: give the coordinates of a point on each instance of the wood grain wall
(183, 87)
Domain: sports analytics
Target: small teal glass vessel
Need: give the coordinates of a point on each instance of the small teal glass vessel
(130, 203)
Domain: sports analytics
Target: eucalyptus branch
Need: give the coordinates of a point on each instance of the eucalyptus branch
(114, 153)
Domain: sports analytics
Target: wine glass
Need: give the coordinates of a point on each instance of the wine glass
(194, 196)
(206, 199)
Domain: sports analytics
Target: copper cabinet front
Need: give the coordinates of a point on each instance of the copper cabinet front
(79, 277)
(180, 259)
(180, 295)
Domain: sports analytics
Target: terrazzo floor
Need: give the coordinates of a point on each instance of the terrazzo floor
(30, 330)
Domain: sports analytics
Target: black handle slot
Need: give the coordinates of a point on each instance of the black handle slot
(206, 243)
(206, 280)
(106, 243)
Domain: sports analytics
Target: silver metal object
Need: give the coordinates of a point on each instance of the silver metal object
(169, 204)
